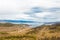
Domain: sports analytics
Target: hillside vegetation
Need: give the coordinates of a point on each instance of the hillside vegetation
(24, 32)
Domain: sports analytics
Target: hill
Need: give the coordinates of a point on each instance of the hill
(43, 32)
(47, 32)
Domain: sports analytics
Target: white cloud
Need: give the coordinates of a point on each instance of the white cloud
(43, 14)
(14, 9)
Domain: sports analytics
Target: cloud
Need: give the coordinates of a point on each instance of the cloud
(35, 10)
(55, 9)
(46, 15)
(43, 14)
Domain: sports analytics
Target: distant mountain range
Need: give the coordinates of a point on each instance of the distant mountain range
(27, 22)
(18, 21)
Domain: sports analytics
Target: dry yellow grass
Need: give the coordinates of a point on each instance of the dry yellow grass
(17, 32)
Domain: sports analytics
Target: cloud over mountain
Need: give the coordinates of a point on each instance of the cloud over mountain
(34, 10)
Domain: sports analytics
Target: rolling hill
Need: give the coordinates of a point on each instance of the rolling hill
(24, 32)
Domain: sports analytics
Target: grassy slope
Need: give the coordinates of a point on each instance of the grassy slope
(44, 32)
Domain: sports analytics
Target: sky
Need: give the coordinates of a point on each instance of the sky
(31, 10)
